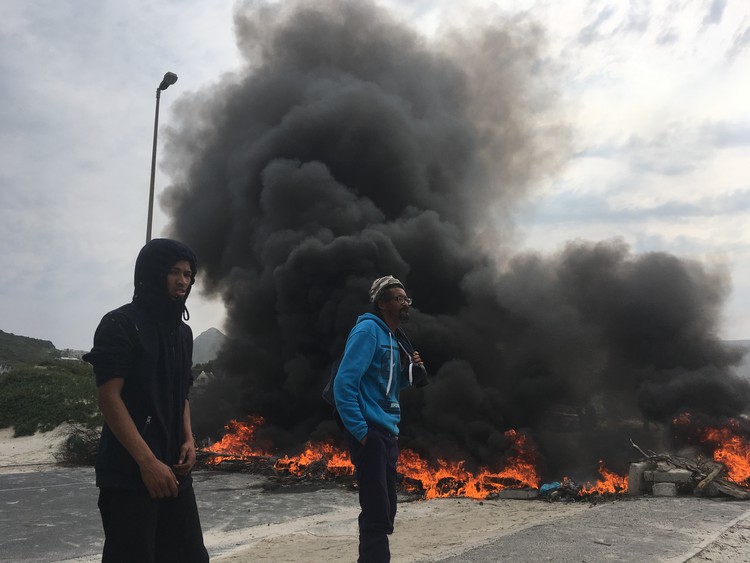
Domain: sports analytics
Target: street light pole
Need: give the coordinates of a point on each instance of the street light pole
(169, 79)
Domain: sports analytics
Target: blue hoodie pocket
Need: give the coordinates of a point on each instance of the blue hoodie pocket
(390, 407)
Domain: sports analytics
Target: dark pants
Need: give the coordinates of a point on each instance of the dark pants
(375, 465)
(140, 529)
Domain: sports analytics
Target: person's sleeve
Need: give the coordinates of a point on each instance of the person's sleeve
(113, 352)
(358, 355)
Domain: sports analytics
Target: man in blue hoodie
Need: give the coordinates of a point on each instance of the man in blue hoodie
(366, 390)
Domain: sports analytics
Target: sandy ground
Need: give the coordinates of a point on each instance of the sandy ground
(733, 544)
(425, 531)
(320, 526)
(29, 453)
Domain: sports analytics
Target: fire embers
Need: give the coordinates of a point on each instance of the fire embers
(451, 479)
(238, 441)
(721, 467)
(238, 450)
(609, 485)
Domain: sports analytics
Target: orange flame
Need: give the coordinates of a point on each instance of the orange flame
(446, 480)
(733, 451)
(450, 479)
(337, 461)
(435, 480)
(237, 442)
(730, 448)
(610, 483)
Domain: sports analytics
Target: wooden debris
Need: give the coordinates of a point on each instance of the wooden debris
(731, 489)
(711, 476)
(704, 472)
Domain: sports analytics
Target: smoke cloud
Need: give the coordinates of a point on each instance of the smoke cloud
(350, 147)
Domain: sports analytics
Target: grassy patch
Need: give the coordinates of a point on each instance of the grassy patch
(41, 397)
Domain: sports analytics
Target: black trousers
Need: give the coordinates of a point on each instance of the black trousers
(375, 465)
(140, 529)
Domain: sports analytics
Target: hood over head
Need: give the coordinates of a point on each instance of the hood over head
(154, 261)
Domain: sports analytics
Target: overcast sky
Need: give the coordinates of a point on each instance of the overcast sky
(655, 92)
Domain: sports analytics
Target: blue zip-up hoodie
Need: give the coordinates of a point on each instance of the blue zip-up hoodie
(369, 379)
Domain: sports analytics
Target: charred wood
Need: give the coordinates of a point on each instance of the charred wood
(711, 476)
(704, 472)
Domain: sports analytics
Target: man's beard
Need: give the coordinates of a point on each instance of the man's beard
(403, 315)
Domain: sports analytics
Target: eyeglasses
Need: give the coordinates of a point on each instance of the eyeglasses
(402, 299)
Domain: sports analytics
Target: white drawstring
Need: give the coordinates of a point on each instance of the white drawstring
(390, 375)
(411, 360)
(411, 364)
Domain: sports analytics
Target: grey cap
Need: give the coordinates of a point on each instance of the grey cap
(380, 284)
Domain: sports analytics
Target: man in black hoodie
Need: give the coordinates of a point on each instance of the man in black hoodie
(142, 357)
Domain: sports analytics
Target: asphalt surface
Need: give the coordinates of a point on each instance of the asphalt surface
(52, 516)
(645, 530)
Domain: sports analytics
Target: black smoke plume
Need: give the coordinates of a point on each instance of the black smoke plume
(351, 147)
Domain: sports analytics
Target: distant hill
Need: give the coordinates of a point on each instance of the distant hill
(207, 345)
(16, 349)
(24, 350)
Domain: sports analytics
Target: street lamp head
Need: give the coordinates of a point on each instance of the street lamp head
(169, 79)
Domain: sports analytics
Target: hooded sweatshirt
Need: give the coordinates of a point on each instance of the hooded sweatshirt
(369, 378)
(147, 344)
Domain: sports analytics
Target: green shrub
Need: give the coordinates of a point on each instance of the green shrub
(40, 398)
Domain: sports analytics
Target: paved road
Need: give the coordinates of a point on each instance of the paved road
(668, 530)
(48, 516)
(51, 516)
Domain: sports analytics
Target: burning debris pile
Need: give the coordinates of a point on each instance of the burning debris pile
(237, 451)
(727, 471)
(667, 475)
(348, 147)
